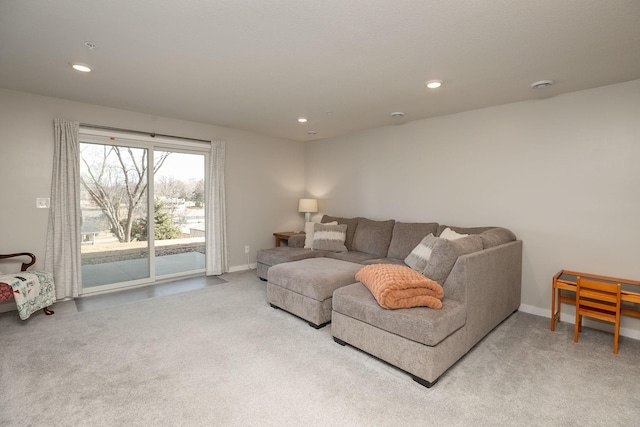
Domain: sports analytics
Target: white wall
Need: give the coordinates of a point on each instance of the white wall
(264, 175)
(563, 173)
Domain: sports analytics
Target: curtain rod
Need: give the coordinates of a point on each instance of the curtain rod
(151, 134)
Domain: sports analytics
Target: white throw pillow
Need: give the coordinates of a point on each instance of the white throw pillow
(308, 231)
(420, 255)
(449, 234)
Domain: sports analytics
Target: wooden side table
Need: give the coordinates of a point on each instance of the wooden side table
(285, 235)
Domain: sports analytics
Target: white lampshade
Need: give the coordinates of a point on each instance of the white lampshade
(307, 206)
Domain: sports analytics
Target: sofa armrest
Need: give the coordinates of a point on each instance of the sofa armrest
(489, 283)
(25, 265)
(296, 241)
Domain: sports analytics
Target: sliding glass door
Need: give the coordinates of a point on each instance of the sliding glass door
(114, 204)
(179, 213)
(143, 213)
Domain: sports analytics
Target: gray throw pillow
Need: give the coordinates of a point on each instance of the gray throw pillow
(445, 253)
(419, 256)
(329, 237)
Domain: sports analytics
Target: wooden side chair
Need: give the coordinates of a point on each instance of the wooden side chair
(598, 300)
(41, 281)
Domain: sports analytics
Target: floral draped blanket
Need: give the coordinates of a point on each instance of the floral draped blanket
(32, 291)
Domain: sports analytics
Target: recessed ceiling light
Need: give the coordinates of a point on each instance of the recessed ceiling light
(302, 119)
(81, 67)
(397, 114)
(541, 84)
(433, 84)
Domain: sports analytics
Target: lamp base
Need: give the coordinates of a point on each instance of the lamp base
(307, 217)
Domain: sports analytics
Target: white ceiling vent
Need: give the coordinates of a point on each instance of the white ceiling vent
(542, 84)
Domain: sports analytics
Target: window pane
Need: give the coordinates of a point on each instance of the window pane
(179, 212)
(114, 214)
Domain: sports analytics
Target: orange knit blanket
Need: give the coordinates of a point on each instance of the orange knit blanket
(399, 286)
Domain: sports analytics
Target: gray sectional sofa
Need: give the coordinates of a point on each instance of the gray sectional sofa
(482, 288)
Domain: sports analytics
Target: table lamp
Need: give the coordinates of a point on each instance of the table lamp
(308, 206)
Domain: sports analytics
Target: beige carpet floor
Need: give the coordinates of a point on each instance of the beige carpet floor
(220, 356)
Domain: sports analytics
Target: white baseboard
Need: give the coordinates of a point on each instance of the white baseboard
(535, 310)
(243, 267)
(569, 317)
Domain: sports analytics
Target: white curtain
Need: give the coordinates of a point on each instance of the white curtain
(62, 255)
(216, 221)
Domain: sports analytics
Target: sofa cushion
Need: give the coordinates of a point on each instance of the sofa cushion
(398, 286)
(445, 253)
(351, 256)
(496, 236)
(419, 256)
(419, 324)
(383, 261)
(352, 224)
(282, 254)
(407, 235)
(329, 237)
(373, 237)
(6, 292)
(315, 278)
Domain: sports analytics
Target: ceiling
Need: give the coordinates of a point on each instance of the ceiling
(257, 65)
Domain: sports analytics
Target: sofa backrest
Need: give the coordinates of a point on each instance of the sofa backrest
(462, 230)
(491, 236)
(407, 235)
(391, 239)
(496, 236)
(373, 237)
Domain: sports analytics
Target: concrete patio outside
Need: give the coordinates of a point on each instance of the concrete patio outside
(134, 269)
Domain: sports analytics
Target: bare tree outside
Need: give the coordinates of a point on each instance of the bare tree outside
(197, 194)
(116, 180)
(172, 191)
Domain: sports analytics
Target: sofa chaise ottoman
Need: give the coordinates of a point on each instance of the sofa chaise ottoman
(305, 288)
(266, 258)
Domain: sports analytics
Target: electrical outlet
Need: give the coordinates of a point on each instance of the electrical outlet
(246, 249)
(42, 202)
